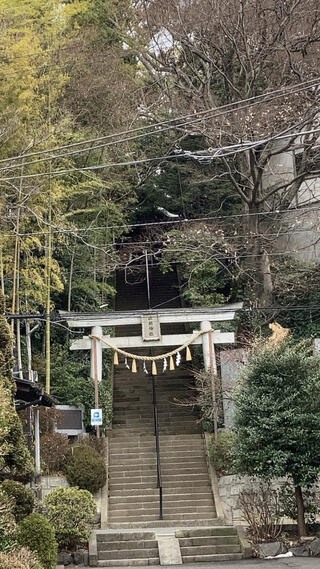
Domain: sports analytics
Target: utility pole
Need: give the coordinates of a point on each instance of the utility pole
(36, 409)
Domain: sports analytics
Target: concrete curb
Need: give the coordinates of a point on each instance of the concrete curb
(214, 482)
(105, 489)
(93, 550)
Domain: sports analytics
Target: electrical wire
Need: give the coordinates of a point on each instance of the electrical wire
(169, 222)
(217, 152)
(283, 92)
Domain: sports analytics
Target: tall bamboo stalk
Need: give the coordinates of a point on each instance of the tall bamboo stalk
(49, 265)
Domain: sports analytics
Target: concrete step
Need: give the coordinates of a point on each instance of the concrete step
(124, 431)
(212, 557)
(148, 458)
(210, 549)
(200, 499)
(168, 508)
(183, 477)
(209, 540)
(126, 545)
(165, 523)
(108, 537)
(123, 469)
(185, 489)
(166, 468)
(207, 532)
(128, 562)
(172, 438)
(167, 448)
(139, 553)
(119, 489)
(127, 516)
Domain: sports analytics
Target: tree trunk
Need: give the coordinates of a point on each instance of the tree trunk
(302, 528)
(257, 262)
(266, 280)
(70, 279)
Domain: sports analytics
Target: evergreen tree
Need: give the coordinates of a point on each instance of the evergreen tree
(15, 460)
(278, 417)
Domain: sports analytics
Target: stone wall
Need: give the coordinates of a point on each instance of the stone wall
(229, 490)
(232, 363)
(50, 483)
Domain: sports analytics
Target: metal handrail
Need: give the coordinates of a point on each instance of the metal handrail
(156, 434)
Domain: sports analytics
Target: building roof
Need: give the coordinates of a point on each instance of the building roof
(30, 393)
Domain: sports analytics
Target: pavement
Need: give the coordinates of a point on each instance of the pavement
(284, 563)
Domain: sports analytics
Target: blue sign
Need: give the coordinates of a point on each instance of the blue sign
(96, 417)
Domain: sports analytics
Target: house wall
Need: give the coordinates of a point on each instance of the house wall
(302, 226)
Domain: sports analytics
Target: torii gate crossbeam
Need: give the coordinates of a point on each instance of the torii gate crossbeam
(205, 316)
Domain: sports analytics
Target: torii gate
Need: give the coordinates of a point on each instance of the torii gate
(150, 321)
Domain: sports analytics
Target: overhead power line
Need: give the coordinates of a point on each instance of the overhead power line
(217, 152)
(215, 112)
(187, 154)
(74, 232)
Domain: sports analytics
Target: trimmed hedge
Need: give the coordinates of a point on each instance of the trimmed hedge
(85, 468)
(71, 512)
(221, 452)
(24, 498)
(36, 533)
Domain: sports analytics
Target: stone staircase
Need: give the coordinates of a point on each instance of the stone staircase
(123, 549)
(133, 548)
(209, 544)
(134, 497)
(134, 531)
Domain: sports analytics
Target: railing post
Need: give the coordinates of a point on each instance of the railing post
(156, 434)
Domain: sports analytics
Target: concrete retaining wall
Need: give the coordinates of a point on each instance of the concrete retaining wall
(229, 490)
(50, 483)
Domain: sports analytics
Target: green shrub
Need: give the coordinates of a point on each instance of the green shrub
(71, 512)
(221, 452)
(21, 559)
(24, 498)
(7, 521)
(288, 506)
(36, 533)
(93, 442)
(85, 467)
(54, 449)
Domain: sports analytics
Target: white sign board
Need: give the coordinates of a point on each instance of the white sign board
(96, 417)
(150, 327)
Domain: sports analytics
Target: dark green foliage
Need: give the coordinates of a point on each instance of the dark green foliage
(288, 506)
(85, 467)
(36, 533)
(24, 498)
(278, 415)
(221, 452)
(71, 512)
(7, 521)
(15, 459)
(72, 386)
(205, 280)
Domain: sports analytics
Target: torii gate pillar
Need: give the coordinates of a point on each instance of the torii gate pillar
(96, 355)
(208, 351)
(96, 366)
